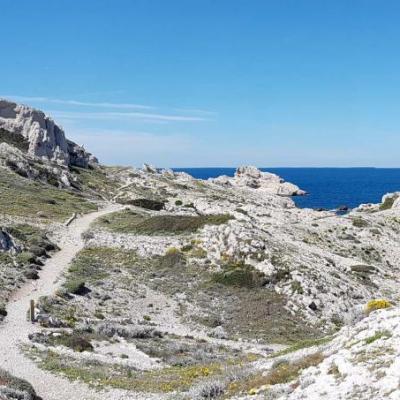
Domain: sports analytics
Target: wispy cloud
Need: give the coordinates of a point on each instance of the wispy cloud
(48, 100)
(72, 115)
(113, 111)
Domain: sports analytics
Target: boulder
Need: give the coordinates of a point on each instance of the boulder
(7, 243)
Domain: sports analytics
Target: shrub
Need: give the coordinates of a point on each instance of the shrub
(281, 372)
(75, 286)
(377, 304)
(178, 202)
(378, 335)
(240, 275)
(359, 222)
(172, 250)
(147, 204)
(14, 139)
(208, 390)
(3, 311)
(388, 203)
(296, 287)
(26, 257)
(75, 342)
(128, 221)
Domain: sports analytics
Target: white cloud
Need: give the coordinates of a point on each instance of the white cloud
(122, 113)
(126, 115)
(48, 100)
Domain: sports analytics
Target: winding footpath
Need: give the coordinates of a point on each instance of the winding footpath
(15, 329)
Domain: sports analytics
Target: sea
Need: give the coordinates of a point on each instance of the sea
(328, 188)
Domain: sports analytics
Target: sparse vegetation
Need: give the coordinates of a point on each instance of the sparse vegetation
(377, 304)
(128, 221)
(75, 286)
(26, 198)
(359, 222)
(281, 372)
(378, 335)
(240, 275)
(14, 140)
(303, 344)
(148, 204)
(388, 203)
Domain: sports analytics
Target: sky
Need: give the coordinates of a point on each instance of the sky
(207, 83)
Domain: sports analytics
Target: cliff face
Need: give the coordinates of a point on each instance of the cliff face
(44, 138)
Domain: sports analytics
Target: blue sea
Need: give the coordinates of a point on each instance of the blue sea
(328, 188)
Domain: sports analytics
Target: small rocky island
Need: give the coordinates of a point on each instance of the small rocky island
(162, 286)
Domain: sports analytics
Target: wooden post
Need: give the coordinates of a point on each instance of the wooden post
(32, 311)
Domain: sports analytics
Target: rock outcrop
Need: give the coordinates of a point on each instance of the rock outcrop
(251, 177)
(7, 243)
(45, 139)
(26, 166)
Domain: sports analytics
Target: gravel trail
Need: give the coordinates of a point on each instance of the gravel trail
(15, 329)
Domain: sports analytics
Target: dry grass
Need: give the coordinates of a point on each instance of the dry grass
(281, 372)
(22, 197)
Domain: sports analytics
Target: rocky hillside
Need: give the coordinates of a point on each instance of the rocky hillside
(34, 132)
(196, 289)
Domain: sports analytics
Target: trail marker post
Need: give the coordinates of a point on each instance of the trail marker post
(32, 311)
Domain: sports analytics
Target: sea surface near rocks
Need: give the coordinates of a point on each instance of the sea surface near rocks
(328, 188)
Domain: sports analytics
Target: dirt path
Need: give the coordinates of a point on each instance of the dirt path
(15, 329)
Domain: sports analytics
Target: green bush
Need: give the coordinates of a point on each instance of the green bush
(75, 286)
(14, 139)
(75, 342)
(148, 204)
(130, 222)
(359, 222)
(388, 203)
(240, 275)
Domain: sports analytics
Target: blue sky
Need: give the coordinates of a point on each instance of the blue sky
(212, 83)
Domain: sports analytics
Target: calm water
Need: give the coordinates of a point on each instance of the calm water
(328, 187)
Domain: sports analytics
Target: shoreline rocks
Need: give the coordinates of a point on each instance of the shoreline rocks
(250, 177)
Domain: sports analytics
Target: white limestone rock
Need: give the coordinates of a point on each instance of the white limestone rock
(250, 177)
(362, 362)
(46, 139)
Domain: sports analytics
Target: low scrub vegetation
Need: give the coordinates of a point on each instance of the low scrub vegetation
(303, 344)
(240, 275)
(26, 198)
(148, 204)
(359, 222)
(13, 139)
(388, 203)
(128, 221)
(377, 304)
(281, 372)
(378, 335)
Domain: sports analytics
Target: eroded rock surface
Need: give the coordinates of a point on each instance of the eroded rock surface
(45, 138)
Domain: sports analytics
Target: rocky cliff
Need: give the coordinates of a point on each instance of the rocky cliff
(40, 136)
